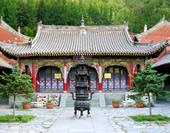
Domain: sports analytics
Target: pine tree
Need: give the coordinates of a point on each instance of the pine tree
(16, 84)
(149, 81)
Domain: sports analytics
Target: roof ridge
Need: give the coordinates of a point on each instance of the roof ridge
(88, 27)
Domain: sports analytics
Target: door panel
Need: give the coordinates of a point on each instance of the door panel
(48, 82)
(118, 80)
(42, 80)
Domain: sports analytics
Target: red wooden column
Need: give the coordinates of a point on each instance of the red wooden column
(19, 64)
(65, 77)
(100, 77)
(131, 72)
(33, 74)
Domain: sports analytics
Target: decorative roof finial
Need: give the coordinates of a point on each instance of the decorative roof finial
(145, 28)
(82, 20)
(40, 23)
(0, 19)
(82, 27)
(19, 30)
(163, 18)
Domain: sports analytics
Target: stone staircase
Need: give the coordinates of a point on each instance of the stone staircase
(98, 99)
(69, 101)
(94, 102)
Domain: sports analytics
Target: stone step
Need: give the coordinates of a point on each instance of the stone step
(69, 101)
(94, 102)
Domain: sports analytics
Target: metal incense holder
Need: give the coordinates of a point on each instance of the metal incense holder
(82, 95)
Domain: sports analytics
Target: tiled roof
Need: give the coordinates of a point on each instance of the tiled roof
(9, 61)
(157, 33)
(8, 34)
(132, 35)
(67, 40)
(8, 37)
(161, 58)
(163, 61)
(4, 64)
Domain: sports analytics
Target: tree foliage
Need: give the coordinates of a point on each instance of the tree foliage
(96, 12)
(149, 81)
(16, 84)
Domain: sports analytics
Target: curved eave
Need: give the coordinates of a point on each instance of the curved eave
(86, 54)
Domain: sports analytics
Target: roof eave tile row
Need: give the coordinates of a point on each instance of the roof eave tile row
(85, 54)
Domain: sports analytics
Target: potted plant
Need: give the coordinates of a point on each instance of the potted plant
(26, 104)
(49, 105)
(139, 103)
(116, 103)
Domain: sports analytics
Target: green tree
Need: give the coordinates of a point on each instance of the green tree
(149, 81)
(146, 12)
(10, 12)
(22, 20)
(31, 13)
(41, 10)
(16, 84)
(28, 32)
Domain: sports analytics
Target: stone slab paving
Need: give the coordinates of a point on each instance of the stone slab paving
(103, 120)
(66, 123)
(45, 118)
(120, 121)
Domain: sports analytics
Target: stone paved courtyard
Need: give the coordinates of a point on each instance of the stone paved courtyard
(103, 120)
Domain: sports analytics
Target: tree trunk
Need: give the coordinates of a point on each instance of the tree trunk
(150, 111)
(14, 107)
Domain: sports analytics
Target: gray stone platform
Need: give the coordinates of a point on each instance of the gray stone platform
(103, 120)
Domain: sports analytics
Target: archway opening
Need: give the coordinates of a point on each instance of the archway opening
(50, 80)
(115, 78)
(72, 79)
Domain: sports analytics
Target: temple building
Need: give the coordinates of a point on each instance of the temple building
(159, 32)
(51, 57)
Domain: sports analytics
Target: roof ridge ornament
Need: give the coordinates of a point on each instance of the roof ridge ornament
(145, 28)
(0, 19)
(125, 25)
(82, 26)
(163, 19)
(40, 23)
(82, 21)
